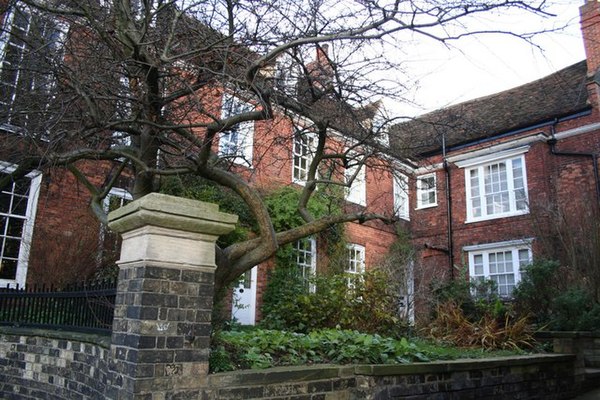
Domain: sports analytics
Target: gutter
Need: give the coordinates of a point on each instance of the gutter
(594, 156)
(511, 132)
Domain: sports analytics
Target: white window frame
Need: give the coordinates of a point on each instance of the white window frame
(5, 40)
(306, 259)
(401, 198)
(479, 165)
(122, 194)
(423, 192)
(303, 148)
(406, 296)
(116, 192)
(239, 149)
(27, 233)
(480, 255)
(356, 265)
(357, 192)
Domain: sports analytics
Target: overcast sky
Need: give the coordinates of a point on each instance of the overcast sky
(487, 64)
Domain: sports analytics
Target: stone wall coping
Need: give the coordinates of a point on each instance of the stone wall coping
(172, 212)
(459, 365)
(278, 375)
(90, 338)
(567, 334)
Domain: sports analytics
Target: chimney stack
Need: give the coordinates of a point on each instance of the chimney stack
(590, 29)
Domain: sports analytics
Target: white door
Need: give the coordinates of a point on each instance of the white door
(243, 308)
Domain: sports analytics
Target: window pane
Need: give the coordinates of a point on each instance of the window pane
(8, 269)
(478, 264)
(247, 279)
(431, 198)
(5, 202)
(11, 248)
(15, 227)
(19, 205)
(22, 186)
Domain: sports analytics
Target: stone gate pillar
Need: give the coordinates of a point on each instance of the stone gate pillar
(161, 330)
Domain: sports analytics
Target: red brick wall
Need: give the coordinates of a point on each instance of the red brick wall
(65, 241)
(590, 27)
(272, 167)
(563, 181)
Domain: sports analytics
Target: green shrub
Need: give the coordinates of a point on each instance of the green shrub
(555, 301)
(267, 348)
(365, 302)
(475, 298)
(281, 306)
(574, 310)
(542, 282)
(260, 348)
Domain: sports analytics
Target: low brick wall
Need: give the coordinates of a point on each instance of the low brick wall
(585, 344)
(40, 364)
(524, 377)
(36, 364)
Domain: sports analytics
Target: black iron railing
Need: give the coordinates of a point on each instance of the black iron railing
(82, 308)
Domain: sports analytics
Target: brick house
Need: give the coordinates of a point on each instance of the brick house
(49, 236)
(498, 177)
(475, 185)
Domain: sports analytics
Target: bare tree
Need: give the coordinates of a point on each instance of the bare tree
(146, 88)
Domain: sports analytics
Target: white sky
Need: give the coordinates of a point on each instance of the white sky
(487, 64)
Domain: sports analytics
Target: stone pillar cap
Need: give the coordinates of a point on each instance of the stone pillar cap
(172, 212)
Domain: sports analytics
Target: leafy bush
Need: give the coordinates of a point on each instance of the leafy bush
(542, 282)
(554, 300)
(576, 310)
(364, 302)
(475, 298)
(261, 348)
(268, 348)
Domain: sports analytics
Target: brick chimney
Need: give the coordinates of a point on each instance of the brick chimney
(319, 82)
(590, 28)
(321, 70)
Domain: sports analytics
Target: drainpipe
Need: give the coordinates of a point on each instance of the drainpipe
(448, 209)
(594, 156)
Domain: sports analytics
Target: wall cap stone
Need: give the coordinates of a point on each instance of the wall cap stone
(277, 375)
(567, 334)
(91, 338)
(172, 212)
(328, 371)
(459, 364)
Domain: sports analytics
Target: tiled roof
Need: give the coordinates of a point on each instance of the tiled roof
(559, 94)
